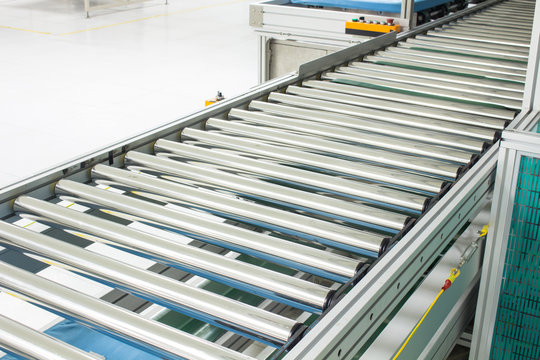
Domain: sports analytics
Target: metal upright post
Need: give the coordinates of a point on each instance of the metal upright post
(407, 12)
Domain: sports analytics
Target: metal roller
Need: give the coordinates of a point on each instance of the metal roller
(353, 136)
(401, 161)
(421, 91)
(325, 264)
(295, 156)
(466, 23)
(509, 18)
(345, 187)
(482, 36)
(424, 74)
(510, 12)
(334, 208)
(31, 344)
(497, 24)
(244, 276)
(496, 48)
(132, 328)
(441, 66)
(452, 34)
(376, 127)
(337, 94)
(214, 309)
(390, 117)
(450, 109)
(468, 61)
(322, 231)
(464, 49)
(389, 74)
(488, 28)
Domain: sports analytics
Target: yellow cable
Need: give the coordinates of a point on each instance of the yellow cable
(417, 325)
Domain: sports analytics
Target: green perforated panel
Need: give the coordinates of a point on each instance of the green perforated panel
(517, 327)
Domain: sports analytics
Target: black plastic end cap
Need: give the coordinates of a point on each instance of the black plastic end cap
(297, 333)
(330, 300)
(445, 186)
(497, 136)
(474, 160)
(361, 273)
(407, 225)
(409, 222)
(384, 246)
(460, 171)
(427, 204)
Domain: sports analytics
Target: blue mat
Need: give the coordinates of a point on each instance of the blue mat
(91, 340)
(375, 5)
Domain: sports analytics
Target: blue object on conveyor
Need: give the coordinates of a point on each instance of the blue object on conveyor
(393, 6)
(90, 340)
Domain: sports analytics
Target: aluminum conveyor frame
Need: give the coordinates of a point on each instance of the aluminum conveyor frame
(289, 35)
(350, 325)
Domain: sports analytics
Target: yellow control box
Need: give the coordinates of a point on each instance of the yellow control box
(370, 28)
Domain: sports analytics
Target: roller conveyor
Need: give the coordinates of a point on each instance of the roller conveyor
(158, 338)
(430, 44)
(382, 115)
(369, 125)
(346, 211)
(325, 232)
(354, 136)
(428, 166)
(442, 75)
(175, 253)
(328, 183)
(201, 304)
(333, 266)
(371, 80)
(247, 222)
(449, 109)
(389, 177)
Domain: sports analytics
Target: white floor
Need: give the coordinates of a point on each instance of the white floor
(71, 85)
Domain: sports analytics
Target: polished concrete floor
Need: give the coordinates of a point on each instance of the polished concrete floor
(72, 85)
